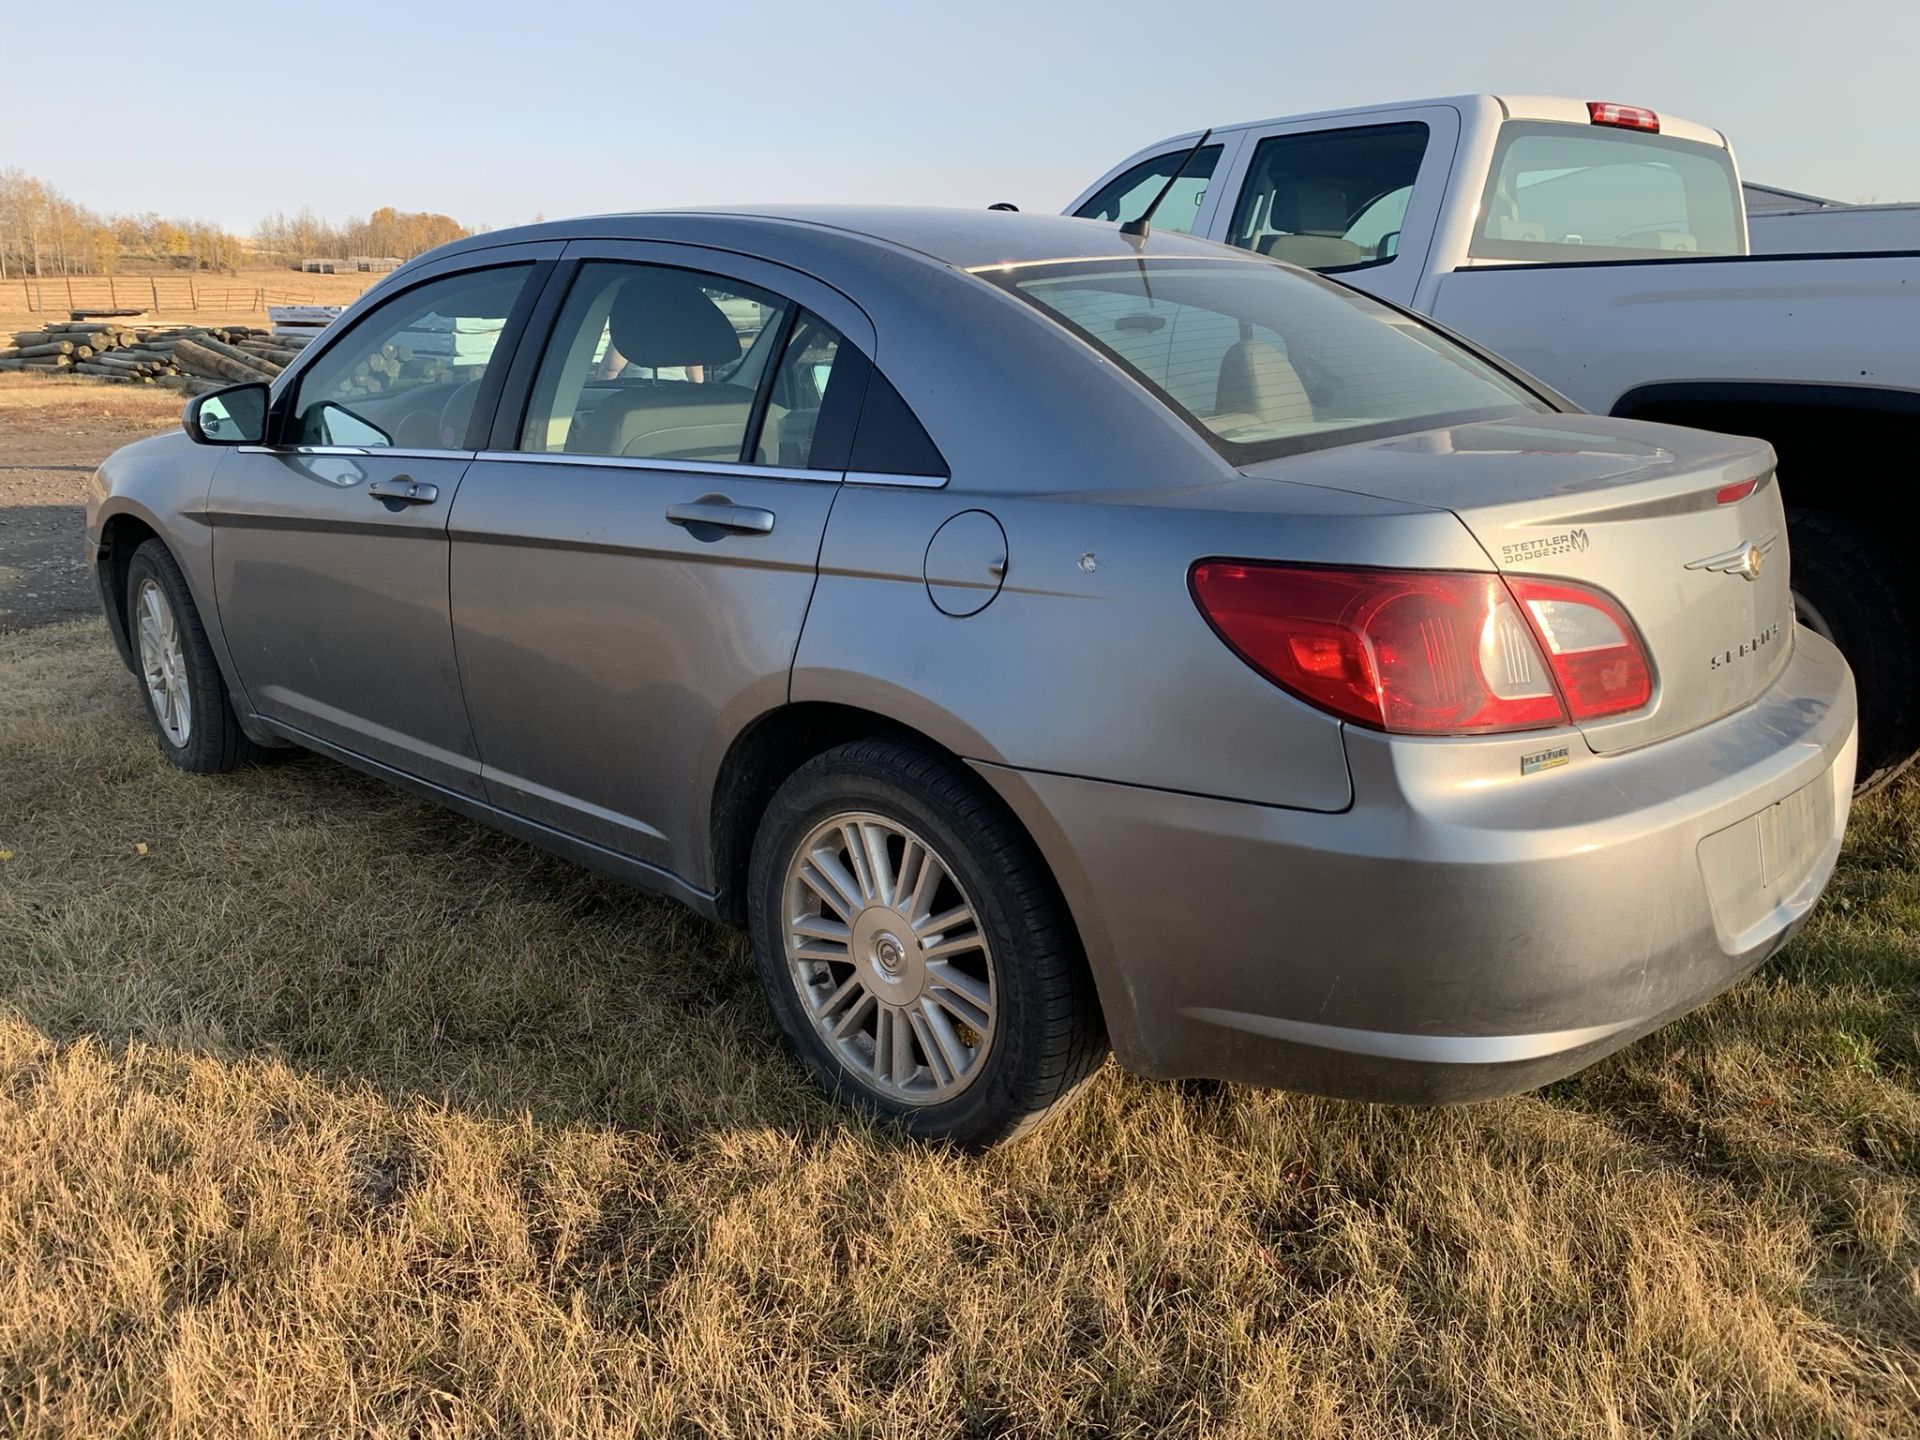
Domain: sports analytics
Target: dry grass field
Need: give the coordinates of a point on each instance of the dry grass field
(53, 403)
(323, 1113)
(223, 299)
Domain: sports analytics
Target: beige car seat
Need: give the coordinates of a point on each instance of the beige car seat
(662, 319)
(1316, 217)
(1258, 386)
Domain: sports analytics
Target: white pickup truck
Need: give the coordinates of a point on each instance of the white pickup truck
(1604, 249)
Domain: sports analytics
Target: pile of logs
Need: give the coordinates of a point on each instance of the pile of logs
(188, 357)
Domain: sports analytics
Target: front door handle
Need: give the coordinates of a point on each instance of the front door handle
(717, 512)
(404, 489)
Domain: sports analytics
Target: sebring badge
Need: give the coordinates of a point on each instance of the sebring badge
(1744, 560)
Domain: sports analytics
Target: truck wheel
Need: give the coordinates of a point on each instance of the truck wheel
(1847, 588)
(915, 950)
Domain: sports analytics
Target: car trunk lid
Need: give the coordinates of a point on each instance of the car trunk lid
(1657, 516)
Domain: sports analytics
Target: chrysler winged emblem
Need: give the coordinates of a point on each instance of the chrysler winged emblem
(1744, 559)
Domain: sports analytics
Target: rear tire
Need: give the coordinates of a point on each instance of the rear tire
(1848, 587)
(180, 682)
(860, 852)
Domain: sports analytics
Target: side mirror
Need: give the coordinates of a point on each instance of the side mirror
(236, 415)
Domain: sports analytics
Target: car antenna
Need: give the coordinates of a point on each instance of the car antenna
(1138, 226)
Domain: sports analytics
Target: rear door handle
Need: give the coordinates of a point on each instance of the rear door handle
(405, 489)
(720, 513)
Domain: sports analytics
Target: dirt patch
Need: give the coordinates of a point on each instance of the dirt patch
(53, 433)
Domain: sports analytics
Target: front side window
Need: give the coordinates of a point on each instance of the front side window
(1580, 192)
(408, 375)
(1130, 192)
(660, 363)
(1330, 199)
(1265, 361)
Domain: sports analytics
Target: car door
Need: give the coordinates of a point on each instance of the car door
(1340, 197)
(330, 542)
(633, 558)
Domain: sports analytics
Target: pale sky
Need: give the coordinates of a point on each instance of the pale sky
(494, 111)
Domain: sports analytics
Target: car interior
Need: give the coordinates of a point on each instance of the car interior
(662, 364)
(1330, 199)
(657, 321)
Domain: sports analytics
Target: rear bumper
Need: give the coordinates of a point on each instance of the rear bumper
(1464, 930)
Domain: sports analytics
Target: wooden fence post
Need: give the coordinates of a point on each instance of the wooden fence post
(193, 294)
(155, 285)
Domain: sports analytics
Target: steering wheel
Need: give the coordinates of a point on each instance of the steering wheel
(455, 414)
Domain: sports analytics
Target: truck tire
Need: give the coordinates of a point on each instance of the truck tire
(1849, 588)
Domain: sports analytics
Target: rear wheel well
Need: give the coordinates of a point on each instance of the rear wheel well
(119, 538)
(1811, 427)
(1843, 456)
(759, 762)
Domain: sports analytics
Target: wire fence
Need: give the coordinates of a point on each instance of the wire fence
(158, 292)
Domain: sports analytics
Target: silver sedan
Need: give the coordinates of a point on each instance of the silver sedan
(1041, 638)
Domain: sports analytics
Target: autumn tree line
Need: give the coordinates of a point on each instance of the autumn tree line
(43, 232)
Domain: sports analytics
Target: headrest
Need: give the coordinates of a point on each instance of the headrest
(1309, 210)
(662, 317)
(1257, 380)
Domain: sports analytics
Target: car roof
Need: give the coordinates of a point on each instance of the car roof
(962, 239)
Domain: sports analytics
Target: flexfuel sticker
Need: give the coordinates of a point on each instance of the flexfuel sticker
(1543, 760)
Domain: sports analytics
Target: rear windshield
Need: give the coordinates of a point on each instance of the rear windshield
(1266, 360)
(1584, 192)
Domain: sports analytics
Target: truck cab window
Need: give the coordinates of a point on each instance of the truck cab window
(1131, 191)
(1576, 192)
(1330, 199)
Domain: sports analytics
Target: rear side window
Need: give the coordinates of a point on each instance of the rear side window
(812, 401)
(1577, 192)
(1130, 192)
(654, 362)
(1330, 199)
(1266, 361)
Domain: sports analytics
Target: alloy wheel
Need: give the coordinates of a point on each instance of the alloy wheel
(889, 958)
(163, 664)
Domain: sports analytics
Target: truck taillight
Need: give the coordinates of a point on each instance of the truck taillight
(1627, 117)
(1419, 652)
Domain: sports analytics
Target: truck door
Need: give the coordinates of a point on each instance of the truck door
(1358, 198)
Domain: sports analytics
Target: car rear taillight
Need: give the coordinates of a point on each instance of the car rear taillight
(1596, 654)
(1627, 117)
(1422, 652)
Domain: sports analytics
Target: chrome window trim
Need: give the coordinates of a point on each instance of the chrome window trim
(676, 467)
(875, 477)
(618, 462)
(395, 451)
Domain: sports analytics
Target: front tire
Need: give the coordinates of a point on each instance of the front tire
(1850, 590)
(185, 695)
(915, 950)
